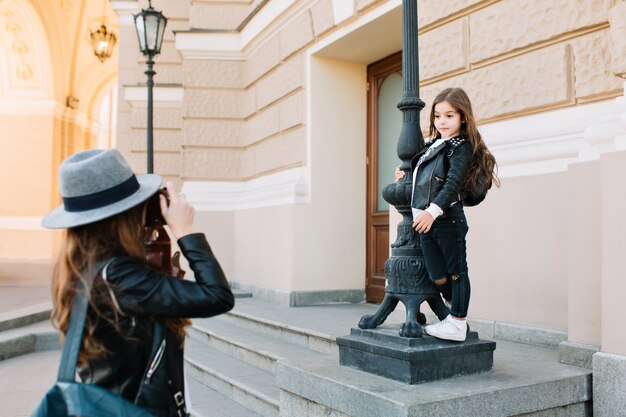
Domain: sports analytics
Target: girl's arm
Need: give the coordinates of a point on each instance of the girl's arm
(459, 161)
(398, 174)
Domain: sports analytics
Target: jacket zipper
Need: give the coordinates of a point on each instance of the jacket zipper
(155, 362)
(430, 181)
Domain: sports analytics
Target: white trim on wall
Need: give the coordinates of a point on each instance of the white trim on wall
(548, 142)
(125, 9)
(164, 97)
(194, 45)
(285, 187)
(30, 106)
(21, 223)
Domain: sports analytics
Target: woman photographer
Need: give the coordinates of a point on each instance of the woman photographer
(103, 250)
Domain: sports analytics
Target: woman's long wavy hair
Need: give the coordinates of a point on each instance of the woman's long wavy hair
(481, 157)
(82, 248)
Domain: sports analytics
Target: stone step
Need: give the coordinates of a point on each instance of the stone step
(206, 402)
(27, 339)
(241, 294)
(248, 345)
(249, 386)
(24, 316)
(526, 381)
(280, 331)
(24, 380)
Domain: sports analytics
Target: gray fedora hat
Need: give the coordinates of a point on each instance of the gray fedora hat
(97, 184)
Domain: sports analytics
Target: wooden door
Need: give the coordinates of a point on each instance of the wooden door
(384, 122)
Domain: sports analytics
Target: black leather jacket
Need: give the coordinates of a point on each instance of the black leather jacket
(145, 295)
(440, 176)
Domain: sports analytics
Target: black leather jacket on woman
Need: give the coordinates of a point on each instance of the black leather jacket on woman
(440, 176)
(144, 295)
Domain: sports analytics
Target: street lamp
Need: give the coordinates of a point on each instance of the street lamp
(407, 279)
(150, 25)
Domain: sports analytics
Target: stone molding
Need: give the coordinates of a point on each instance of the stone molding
(21, 223)
(284, 187)
(164, 97)
(30, 106)
(125, 9)
(548, 142)
(231, 45)
(301, 298)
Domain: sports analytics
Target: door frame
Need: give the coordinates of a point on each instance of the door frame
(376, 74)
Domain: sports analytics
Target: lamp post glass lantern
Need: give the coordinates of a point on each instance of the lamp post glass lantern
(150, 25)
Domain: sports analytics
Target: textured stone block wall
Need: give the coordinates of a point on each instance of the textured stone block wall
(245, 118)
(519, 57)
(221, 15)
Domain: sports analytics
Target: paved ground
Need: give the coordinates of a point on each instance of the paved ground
(14, 297)
(24, 380)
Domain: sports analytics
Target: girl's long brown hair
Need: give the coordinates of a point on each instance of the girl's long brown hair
(481, 157)
(82, 248)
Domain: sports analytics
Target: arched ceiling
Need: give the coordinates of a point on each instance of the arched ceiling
(45, 51)
(25, 53)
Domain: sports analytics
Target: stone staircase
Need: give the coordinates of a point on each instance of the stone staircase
(230, 362)
(264, 360)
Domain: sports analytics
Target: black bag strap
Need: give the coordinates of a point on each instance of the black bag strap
(74, 335)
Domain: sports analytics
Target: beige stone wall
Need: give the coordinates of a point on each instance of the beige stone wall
(516, 58)
(245, 115)
(28, 139)
(243, 118)
(220, 15)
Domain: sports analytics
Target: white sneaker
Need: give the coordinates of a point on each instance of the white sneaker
(448, 329)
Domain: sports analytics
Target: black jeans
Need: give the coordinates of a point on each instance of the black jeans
(445, 255)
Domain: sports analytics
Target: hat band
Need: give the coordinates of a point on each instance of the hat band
(101, 198)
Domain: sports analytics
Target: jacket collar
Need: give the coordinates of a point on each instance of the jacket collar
(455, 142)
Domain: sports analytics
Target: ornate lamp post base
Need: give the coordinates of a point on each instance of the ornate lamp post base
(412, 361)
(407, 282)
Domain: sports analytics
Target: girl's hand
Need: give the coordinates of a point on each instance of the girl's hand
(399, 174)
(179, 214)
(423, 223)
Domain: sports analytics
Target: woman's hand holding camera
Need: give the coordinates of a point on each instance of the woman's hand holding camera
(178, 214)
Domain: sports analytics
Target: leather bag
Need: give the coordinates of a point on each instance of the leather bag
(70, 398)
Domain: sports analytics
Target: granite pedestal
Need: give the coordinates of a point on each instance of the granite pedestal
(413, 360)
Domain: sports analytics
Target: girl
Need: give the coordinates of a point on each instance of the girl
(446, 166)
(103, 210)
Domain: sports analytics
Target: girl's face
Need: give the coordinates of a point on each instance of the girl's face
(447, 120)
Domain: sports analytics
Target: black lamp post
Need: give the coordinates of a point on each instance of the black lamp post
(407, 279)
(377, 351)
(150, 25)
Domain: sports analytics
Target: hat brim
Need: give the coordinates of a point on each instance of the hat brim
(59, 218)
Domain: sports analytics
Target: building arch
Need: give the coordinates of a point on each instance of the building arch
(25, 49)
